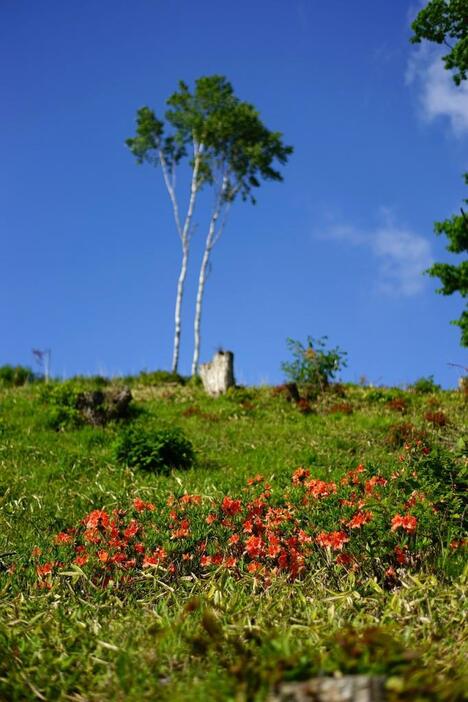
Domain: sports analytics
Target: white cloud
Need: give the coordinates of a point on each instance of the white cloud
(438, 96)
(401, 255)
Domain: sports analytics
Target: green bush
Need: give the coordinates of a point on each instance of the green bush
(313, 366)
(158, 377)
(14, 376)
(155, 450)
(61, 399)
(425, 385)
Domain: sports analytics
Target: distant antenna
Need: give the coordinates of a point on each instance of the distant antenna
(42, 357)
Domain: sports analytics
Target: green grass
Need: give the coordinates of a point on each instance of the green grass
(211, 633)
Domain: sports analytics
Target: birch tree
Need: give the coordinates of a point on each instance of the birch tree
(239, 152)
(152, 146)
(228, 149)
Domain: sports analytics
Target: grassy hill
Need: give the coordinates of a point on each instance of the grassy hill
(305, 539)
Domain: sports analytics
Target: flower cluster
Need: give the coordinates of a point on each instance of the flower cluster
(363, 521)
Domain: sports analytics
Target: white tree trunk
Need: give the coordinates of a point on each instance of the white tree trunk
(201, 290)
(184, 234)
(178, 308)
(214, 233)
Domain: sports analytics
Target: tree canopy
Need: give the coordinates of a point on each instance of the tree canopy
(446, 22)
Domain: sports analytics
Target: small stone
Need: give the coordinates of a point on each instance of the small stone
(349, 688)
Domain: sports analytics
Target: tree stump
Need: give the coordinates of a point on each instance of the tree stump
(218, 375)
(349, 688)
(98, 407)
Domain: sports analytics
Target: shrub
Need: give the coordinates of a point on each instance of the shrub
(340, 408)
(398, 404)
(158, 377)
(437, 419)
(404, 433)
(425, 385)
(313, 365)
(155, 450)
(14, 376)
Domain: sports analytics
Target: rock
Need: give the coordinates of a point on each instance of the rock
(218, 375)
(349, 688)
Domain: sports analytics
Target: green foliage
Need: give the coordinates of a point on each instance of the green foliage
(217, 635)
(236, 146)
(425, 385)
(155, 378)
(454, 278)
(313, 365)
(14, 376)
(157, 450)
(61, 399)
(446, 22)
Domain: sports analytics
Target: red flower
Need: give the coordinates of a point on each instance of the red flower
(92, 536)
(359, 519)
(254, 546)
(370, 484)
(344, 559)
(230, 506)
(211, 518)
(45, 569)
(332, 539)
(401, 555)
(158, 555)
(81, 560)
(273, 546)
(300, 475)
(233, 539)
(319, 488)
(131, 530)
(141, 505)
(254, 566)
(63, 538)
(190, 500)
(256, 479)
(96, 518)
(406, 522)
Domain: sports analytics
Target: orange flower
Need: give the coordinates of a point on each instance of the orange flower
(141, 505)
(256, 479)
(63, 538)
(131, 530)
(96, 518)
(81, 560)
(372, 482)
(406, 522)
(92, 536)
(254, 566)
(359, 519)
(230, 506)
(254, 546)
(332, 539)
(300, 475)
(319, 488)
(45, 569)
(211, 518)
(103, 556)
(233, 539)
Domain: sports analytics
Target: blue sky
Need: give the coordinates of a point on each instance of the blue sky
(89, 251)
